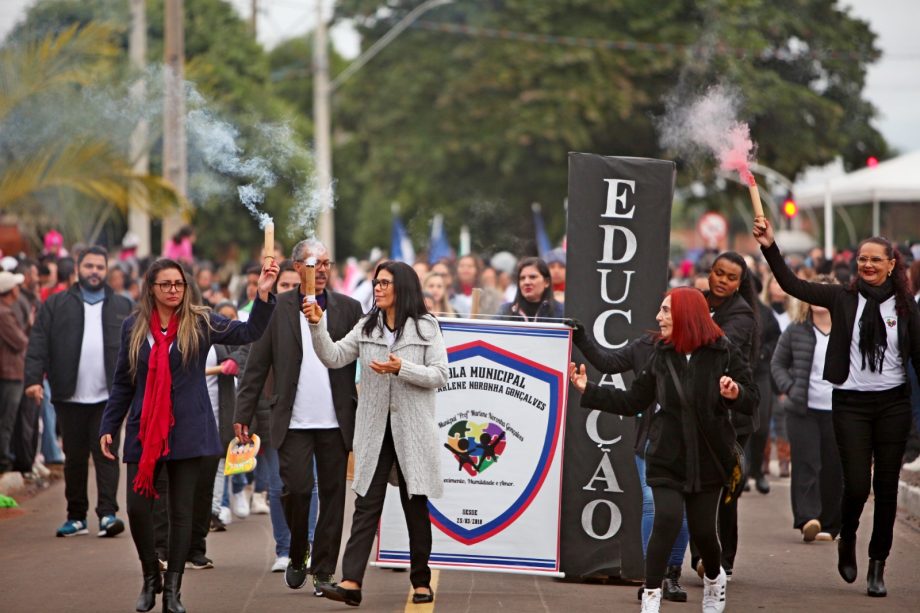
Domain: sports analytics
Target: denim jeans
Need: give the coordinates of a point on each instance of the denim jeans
(280, 530)
(648, 520)
(50, 448)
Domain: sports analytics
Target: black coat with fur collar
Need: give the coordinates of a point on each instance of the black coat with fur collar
(677, 456)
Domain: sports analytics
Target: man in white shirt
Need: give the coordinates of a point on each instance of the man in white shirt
(75, 342)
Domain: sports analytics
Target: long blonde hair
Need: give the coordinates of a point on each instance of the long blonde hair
(189, 313)
(800, 311)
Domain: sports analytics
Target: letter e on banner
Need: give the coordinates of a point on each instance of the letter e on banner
(616, 198)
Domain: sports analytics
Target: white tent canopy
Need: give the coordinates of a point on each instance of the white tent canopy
(895, 180)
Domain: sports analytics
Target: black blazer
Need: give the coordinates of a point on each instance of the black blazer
(842, 303)
(281, 350)
(57, 336)
(736, 318)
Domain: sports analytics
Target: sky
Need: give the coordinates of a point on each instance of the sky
(893, 83)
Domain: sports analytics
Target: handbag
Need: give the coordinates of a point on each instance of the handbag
(733, 480)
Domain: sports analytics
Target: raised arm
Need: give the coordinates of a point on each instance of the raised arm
(812, 293)
(610, 361)
(335, 354)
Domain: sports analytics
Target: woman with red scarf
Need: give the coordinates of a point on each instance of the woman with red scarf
(159, 383)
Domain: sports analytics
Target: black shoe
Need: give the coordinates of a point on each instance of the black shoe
(762, 485)
(846, 559)
(670, 587)
(422, 598)
(171, 593)
(216, 524)
(199, 562)
(876, 579)
(641, 590)
(320, 581)
(295, 575)
(153, 585)
(341, 594)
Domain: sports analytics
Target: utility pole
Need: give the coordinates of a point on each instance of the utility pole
(252, 18)
(321, 130)
(138, 220)
(175, 166)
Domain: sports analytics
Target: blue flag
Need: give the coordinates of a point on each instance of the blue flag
(543, 244)
(438, 247)
(401, 248)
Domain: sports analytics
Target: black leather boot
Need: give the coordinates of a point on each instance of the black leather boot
(171, 587)
(876, 579)
(670, 587)
(846, 559)
(153, 585)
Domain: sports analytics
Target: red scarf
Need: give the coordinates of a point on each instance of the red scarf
(156, 412)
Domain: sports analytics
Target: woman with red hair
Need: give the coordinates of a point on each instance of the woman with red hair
(697, 376)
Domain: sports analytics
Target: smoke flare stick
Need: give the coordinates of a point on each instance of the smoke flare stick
(755, 198)
(268, 251)
(308, 280)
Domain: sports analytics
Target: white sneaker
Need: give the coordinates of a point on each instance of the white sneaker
(225, 516)
(651, 601)
(281, 563)
(714, 593)
(41, 470)
(240, 504)
(259, 504)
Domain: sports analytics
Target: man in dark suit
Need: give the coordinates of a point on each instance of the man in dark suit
(312, 416)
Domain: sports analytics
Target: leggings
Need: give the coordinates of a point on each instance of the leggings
(701, 509)
(871, 430)
(183, 478)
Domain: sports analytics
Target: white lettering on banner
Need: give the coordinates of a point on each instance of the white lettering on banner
(595, 435)
(604, 472)
(587, 519)
(601, 321)
(604, 296)
(610, 233)
(616, 199)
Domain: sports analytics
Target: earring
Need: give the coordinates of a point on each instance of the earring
(889, 273)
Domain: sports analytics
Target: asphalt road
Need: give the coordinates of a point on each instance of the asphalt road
(775, 571)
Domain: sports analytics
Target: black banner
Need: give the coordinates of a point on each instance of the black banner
(619, 218)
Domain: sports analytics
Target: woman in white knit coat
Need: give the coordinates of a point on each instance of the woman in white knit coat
(403, 363)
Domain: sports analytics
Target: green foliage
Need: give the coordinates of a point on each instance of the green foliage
(478, 127)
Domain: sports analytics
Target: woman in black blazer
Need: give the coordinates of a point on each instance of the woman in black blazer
(159, 384)
(876, 330)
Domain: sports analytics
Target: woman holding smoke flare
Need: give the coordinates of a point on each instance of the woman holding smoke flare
(697, 377)
(159, 383)
(875, 332)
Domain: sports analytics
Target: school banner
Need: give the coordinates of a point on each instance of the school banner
(501, 420)
(618, 230)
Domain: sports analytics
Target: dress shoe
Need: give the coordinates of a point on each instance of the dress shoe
(341, 594)
(171, 593)
(846, 559)
(670, 587)
(153, 585)
(422, 598)
(762, 485)
(876, 579)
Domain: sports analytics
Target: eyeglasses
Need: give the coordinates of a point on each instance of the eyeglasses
(327, 264)
(383, 283)
(174, 286)
(863, 260)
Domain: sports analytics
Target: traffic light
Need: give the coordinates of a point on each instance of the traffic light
(871, 161)
(790, 208)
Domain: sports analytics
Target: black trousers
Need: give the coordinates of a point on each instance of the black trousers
(728, 521)
(753, 452)
(871, 430)
(367, 515)
(201, 508)
(669, 516)
(295, 460)
(80, 431)
(183, 479)
(161, 515)
(817, 476)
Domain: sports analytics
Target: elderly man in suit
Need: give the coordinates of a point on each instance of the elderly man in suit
(312, 417)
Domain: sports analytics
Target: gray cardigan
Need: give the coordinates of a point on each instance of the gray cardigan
(791, 364)
(408, 399)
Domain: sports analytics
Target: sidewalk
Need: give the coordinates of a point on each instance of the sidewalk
(775, 571)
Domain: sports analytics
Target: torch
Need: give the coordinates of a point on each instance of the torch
(755, 196)
(268, 250)
(308, 280)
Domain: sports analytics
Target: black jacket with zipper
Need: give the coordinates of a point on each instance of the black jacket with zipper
(677, 456)
(736, 318)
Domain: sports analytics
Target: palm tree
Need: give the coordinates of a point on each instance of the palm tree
(93, 167)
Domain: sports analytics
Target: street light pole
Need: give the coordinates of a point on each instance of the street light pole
(322, 103)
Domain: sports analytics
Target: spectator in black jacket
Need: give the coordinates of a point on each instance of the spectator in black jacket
(534, 300)
(75, 342)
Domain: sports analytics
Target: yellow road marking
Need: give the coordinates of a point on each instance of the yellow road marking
(427, 607)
